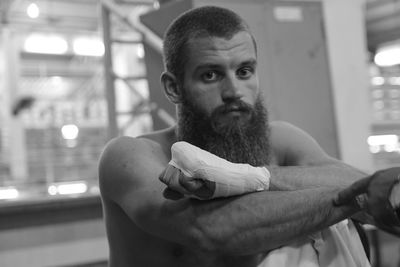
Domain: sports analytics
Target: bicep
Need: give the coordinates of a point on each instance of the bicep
(125, 170)
(130, 180)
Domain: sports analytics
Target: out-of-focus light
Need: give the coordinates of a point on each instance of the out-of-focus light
(391, 147)
(394, 80)
(76, 188)
(70, 131)
(70, 188)
(374, 149)
(45, 44)
(156, 5)
(56, 80)
(33, 11)
(377, 81)
(85, 46)
(8, 193)
(52, 190)
(388, 56)
(386, 139)
(140, 51)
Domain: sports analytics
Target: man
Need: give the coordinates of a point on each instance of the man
(211, 76)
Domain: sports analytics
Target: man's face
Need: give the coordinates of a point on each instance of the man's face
(222, 110)
(218, 72)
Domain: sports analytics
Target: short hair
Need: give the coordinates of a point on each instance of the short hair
(209, 21)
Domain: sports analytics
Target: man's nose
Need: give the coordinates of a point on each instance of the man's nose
(231, 89)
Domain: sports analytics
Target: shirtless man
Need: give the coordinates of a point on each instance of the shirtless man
(211, 76)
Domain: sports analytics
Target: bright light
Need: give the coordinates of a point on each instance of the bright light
(56, 80)
(388, 139)
(377, 81)
(45, 44)
(77, 188)
(388, 56)
(70, 131)
(52, 190)
(394, 80)
(140, 51)
(85, 46)
(374, 149)
(67, 188)
(33, 11)
(8, 193)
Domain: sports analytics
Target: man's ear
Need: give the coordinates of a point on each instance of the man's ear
(171, 87)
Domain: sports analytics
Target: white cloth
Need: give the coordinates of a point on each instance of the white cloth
(230, 178)
(336, 246)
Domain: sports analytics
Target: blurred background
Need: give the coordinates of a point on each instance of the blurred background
(76, 73)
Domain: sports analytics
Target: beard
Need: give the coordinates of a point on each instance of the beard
(238, 139)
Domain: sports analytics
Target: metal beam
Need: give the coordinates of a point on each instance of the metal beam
(108, 74)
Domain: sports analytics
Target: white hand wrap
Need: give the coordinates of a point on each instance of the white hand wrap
(230, 178)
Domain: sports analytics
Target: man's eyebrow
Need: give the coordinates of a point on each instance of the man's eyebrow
(251, 62)
(207, 66)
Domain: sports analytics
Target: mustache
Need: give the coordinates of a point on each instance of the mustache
(236, 105)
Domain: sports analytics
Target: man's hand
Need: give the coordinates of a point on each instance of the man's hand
(373, 195)
(179, 185)
(198, 173)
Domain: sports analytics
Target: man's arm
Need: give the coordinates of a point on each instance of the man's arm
(304, 164)
(129, 170)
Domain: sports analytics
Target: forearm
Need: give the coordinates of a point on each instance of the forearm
(252, 223)
(335, 175)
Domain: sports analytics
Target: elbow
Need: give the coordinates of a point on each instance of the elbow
(213, 239)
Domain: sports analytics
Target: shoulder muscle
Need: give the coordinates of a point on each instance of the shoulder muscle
(296, 147)
(128, 164)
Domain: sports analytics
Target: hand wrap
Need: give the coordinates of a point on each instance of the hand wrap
(229, 178)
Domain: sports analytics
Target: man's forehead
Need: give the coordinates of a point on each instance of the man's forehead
(240, 45)
(236, 38)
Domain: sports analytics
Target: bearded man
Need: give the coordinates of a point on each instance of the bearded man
(241, 191)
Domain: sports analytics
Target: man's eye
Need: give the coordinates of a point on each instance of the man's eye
(210, 76)
(245, 72)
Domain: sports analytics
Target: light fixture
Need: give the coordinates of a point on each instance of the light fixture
(389, 143)
(8, 193)
(67, 188)
(387, 56)
(383, 139)
(45, 44)
(377, 81)
(33, 11)
(88, 46)
(69, 131)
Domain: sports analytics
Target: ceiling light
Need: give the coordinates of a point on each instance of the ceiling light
(8, 193)
(33, 11)
(45, 44)
(388, 56)
(67, 188)
(70, 131)
(389, 139)
(85, 46)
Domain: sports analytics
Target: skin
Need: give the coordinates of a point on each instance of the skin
(145, 228)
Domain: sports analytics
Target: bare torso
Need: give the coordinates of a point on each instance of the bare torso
(131, 246)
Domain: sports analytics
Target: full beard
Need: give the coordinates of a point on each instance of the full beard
(244, 139)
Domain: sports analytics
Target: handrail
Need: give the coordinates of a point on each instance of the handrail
(148, 35)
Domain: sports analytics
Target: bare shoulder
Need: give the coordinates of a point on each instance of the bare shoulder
(130, 164)
(294, 146)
